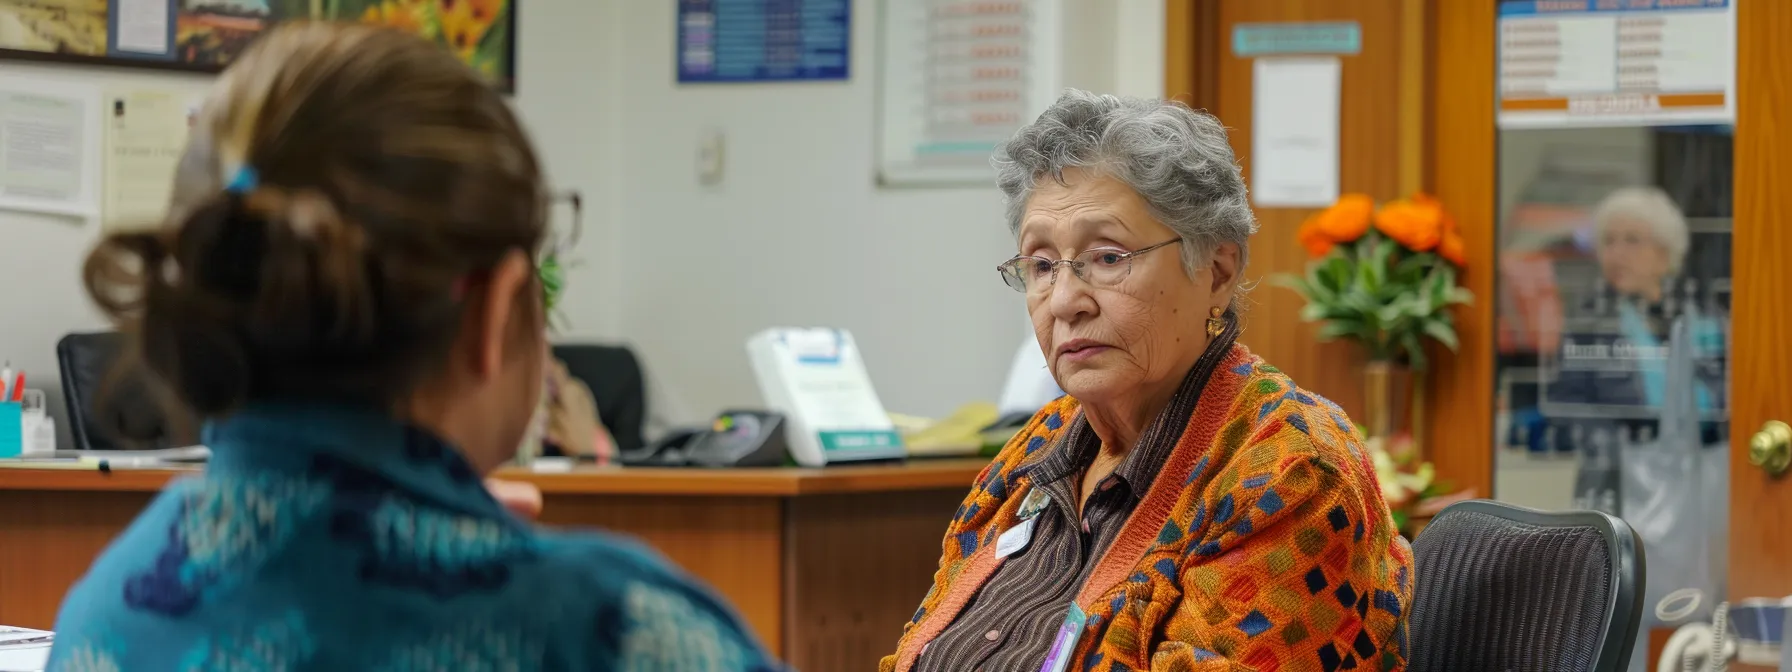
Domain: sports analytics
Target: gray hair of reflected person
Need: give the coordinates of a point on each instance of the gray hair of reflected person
(1653, 208)
(1177, 159)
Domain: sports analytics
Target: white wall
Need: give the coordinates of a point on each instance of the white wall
(799, 234)
(795, 234)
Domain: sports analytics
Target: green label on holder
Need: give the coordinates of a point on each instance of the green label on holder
(1271, 39)
(857, 441)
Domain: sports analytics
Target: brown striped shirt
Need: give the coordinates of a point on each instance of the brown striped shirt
(1010, 623)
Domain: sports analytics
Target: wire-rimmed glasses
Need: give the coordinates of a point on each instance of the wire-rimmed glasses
(1101, 267)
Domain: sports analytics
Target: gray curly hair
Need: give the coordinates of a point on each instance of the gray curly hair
(1176, 158)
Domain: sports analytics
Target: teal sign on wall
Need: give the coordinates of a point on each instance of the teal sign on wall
(1270, 39)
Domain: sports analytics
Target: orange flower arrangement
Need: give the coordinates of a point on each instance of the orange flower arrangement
(1385, 276)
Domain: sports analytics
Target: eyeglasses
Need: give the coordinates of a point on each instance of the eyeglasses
(1101, 267)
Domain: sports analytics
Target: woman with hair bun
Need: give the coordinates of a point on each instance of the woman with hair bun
(345, 291)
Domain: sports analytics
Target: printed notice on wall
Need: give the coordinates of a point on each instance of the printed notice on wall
(1566, 63)
(146, 131)
(142, 26)
(959, 77)
(48, 148)
(1294, 131)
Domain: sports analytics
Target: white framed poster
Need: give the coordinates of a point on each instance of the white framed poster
(1577, 63)
(955, 79)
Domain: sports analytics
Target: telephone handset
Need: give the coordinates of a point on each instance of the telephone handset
(734, 439)
(1751, 630)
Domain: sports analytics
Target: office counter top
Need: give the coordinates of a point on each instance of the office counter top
(920, 474)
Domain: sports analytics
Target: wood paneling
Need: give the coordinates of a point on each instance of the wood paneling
(1463, 155)
(1761, 359)
(855, 575)
(1191, 53)
(1369, 163)
(1180, 72)
(47, 540)
(1415, 90)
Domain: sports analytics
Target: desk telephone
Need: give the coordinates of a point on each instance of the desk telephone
(734, 439)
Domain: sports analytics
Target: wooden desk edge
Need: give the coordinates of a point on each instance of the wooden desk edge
(929, 474)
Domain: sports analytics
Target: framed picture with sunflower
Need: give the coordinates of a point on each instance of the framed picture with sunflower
(205, 35)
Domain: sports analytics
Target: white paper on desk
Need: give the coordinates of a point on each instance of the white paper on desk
(24, 649)
(49, 147)
(1294, 131)
(146, 131)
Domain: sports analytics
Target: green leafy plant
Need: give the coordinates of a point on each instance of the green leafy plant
(1383, 277)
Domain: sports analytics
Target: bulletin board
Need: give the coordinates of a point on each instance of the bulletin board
(956, 79)
(205, 35)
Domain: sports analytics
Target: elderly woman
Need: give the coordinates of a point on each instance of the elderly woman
(1186, 507)
(1640, 241)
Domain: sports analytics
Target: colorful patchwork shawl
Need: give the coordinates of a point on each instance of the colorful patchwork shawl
(1263, 545)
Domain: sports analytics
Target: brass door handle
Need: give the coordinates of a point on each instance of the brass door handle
(1771, 448)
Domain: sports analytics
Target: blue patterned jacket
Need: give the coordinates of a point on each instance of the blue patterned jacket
(326, 538)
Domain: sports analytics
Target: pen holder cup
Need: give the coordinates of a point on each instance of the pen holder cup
(12, 429)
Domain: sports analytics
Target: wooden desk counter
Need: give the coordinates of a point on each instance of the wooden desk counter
(825, 564)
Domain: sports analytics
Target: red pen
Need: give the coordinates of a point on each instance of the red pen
(18, 388)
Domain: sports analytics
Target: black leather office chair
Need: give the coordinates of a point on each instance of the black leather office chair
(617, 386)
(1501, 588)
(110, 409)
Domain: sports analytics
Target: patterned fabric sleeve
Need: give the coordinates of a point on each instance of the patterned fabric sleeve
(1286, 576)
(666, 629)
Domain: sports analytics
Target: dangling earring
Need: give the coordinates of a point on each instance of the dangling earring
(1215, 325)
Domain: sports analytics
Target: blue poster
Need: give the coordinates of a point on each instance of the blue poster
(763, 40)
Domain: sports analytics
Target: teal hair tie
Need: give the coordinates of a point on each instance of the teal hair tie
(244, 181)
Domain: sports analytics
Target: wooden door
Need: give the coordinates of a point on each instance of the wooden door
(1455, 77)
(1761, 376)
(1759, 545)
(1380, 153)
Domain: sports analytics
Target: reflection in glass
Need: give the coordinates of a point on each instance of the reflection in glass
(1613, 332)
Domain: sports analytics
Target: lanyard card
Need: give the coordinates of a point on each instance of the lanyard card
(1065, 643)
(1015, 538)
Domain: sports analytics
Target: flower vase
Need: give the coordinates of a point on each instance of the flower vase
(1384, 398)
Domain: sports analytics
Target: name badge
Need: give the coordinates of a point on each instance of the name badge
(1034, 503)
(1065, 643)
(1014, 539)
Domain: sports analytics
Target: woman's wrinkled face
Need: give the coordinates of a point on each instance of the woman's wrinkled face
(1631, 258)
(1107, 342)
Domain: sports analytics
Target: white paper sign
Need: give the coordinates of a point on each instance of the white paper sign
(957, 78)
(49, 148)
(1294, 131)
(146, 131)
(142, 26)
(1568, 63)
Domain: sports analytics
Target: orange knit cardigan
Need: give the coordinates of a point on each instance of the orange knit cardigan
(1263, 545)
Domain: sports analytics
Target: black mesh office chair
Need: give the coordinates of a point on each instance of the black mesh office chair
(124, 416)
(617, 387)
(1501, 588)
